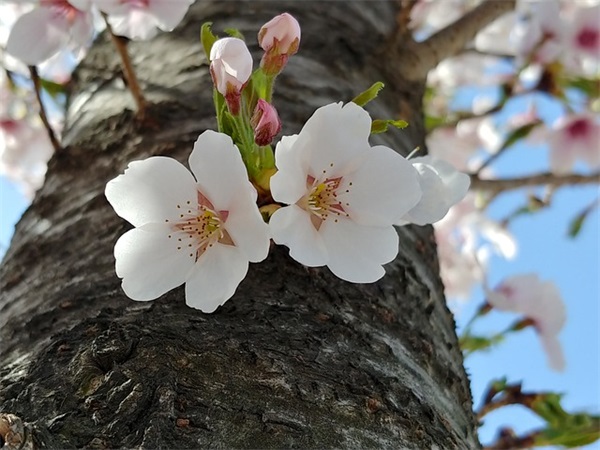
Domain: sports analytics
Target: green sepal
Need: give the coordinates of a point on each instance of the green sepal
(207, 38)
(370, 94)
(577, 222)
(381, 126)
(234, 33)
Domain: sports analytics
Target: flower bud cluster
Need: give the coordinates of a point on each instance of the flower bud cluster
(325, 193)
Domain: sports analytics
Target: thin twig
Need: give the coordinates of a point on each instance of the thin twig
(128, 70)
(37, 85)
(418, 58)
(496, 186)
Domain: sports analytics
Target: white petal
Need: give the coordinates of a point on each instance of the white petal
(169, 13)
(217, 164)
(384, 188)
(288, 185)
(247, 228)
(357, 252)
(135, 23)
(433, 205)
(291, 226)
(457, 183)
(554, 352)
(37, 35)
(150, 263)
(215, 277)
(82, 29)
(334, 135)
(150, 190)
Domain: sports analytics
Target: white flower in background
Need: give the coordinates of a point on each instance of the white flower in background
(139, 19)
(24, 153)
(538, 301)
(571, 138)
(344, 195)
(442, 186)
(582, 52)
(44, 31)
(466, 238)
(202, 232)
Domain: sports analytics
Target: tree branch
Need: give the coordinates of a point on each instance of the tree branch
(418, 58)
(496, 186)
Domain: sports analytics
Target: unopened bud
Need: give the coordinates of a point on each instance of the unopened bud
(230, 69)
(265, 122)
(279, 38)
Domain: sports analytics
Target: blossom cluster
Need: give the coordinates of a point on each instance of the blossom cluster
(325, 193)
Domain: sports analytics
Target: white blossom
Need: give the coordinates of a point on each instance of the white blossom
(202, 232)
(343, 195)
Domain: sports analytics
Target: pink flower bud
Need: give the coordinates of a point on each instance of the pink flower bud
(266, 123)
(230, 68)
(279, 38)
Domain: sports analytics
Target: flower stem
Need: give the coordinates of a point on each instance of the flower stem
(37, 84)
(128, 71)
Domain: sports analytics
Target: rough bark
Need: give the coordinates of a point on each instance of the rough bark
(297, 358)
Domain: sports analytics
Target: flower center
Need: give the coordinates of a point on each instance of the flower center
(589, 39)
(199, 227)
(324, 199)
(578, 129)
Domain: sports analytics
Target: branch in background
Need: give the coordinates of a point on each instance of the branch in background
(495, 186)
(128, 70)
(37, 87)
(418, 58)
(403, 16)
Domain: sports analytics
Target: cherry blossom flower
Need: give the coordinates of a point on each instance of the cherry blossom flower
(39, 34)
(230, 68)
(141, 19)
(266, 123)
(343, 195)
(574, 137)
(24, 153)
(279, 38)
(538, 301)
(582, 41)
(442, 186)
(202, 232)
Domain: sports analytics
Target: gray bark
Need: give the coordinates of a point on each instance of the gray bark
(297, 358)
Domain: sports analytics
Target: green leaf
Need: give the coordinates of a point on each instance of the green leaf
(235, 33)
(518, 134)
(381, 126)
(52, 88)
(591, 87)
(577, 222)
(370, 94)
(471, 343)
(579, 430)
(207, 38)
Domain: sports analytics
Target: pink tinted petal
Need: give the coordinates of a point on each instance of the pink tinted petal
(82, 29)
(215, 277)
(150, 190)
(169, 13)
(288, 185)
(384, 188)
(112, 6)
(149, 262)
(291, 226)
(334, 135)
(217, 164)
(247, 228)
(37, 35)
(136, 24)
(554, 352)
(357, 252)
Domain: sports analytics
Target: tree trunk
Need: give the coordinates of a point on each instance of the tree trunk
(297, 358)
